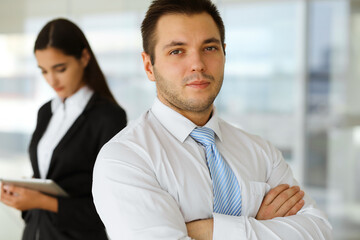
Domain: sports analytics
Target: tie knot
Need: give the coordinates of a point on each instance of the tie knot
(203, 135)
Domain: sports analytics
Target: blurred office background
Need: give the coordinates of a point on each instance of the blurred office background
(292, 76)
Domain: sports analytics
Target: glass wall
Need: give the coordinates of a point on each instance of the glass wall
(290, 77)
(262, 71)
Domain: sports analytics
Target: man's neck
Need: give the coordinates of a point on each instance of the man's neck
(198, 118)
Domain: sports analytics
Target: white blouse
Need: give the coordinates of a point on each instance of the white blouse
(64, 115)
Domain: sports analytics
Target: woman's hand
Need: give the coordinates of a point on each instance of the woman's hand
(25, 199)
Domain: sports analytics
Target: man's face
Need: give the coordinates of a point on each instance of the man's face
(189, 62)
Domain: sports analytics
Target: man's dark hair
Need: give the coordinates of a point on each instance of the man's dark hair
(159, 8)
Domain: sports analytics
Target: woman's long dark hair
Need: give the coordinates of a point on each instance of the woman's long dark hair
(67, 37)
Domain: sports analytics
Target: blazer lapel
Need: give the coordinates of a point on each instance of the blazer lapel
(70, 133)
(43, 121)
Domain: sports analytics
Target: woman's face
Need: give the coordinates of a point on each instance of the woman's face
(64, 73)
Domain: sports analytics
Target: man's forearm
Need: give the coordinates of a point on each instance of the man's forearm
(201, 229)
(282, 195)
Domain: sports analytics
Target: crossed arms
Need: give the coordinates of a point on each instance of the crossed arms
(133, 203)
(281, 201)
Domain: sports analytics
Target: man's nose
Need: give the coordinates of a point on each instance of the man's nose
(197, 63)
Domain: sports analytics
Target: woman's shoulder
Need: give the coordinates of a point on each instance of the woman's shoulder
(45, 108)
(103, 104)
(103, 108)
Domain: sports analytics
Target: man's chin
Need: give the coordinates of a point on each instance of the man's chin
(199, 105)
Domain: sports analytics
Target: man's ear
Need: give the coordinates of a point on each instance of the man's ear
(85, 57)
(148, 66)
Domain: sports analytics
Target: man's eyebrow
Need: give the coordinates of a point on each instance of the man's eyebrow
(212, 40)
(178, 43)
(173, 44)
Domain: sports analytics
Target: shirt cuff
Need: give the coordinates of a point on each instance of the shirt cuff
(228, 227)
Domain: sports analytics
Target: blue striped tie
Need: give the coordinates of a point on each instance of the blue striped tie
(227, 194)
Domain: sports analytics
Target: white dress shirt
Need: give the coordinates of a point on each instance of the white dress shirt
(152, 178)
(64, 115)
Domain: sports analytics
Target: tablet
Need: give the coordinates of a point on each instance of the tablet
(47, 186)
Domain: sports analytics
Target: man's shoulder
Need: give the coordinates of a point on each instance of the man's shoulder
(232, 131)
(134, 129)
(138, 134)
(130, 146)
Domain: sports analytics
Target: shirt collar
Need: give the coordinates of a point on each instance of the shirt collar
(76, 101)
(177, 124)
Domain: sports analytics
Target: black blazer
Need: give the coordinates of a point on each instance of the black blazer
(71, 167)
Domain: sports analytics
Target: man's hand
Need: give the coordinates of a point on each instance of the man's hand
(25, 199)
(201, 229)
(281, 201)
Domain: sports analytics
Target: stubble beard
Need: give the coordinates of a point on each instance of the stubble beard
(175, 100)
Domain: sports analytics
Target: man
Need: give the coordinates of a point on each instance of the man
(181, 172)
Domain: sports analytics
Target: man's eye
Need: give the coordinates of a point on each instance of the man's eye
(211, 48)
(175, 52)
(60, 70)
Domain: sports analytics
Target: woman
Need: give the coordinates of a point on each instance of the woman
(70, 131)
